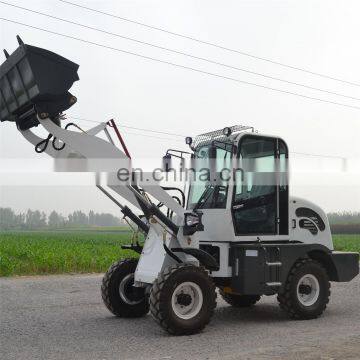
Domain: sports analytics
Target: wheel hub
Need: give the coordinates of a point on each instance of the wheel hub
(184, 299)
(308, 290)
(187, 300)
(305, 289)
(128, 293)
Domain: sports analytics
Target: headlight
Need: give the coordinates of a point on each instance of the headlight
(193, 223)
(191, 219)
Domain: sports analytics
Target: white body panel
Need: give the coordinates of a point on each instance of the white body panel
(322, 237)
(218, 226)
(152, 257)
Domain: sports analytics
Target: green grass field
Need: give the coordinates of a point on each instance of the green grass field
(32, 253)
(81, 251)
(347, 242)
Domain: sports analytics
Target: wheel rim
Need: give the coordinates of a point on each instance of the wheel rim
(126, 290)
(187, 300)
(308, 290)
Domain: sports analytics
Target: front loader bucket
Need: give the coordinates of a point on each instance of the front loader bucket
(35, 81)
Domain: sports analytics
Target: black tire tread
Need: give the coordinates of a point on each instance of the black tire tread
(155, 293)
(284, 298)
(106, 288)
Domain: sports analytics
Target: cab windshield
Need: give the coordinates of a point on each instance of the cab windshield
(211, 174)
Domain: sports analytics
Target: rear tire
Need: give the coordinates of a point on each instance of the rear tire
(240, 300)
(118, 293)
(307, 290)
(183, 299)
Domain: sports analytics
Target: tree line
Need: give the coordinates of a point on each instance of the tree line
(345, 222)
(35, 219)
(340, 222)
(346, 217)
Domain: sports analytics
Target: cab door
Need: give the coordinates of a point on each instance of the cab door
(260, 197)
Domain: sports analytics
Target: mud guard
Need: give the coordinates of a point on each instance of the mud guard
(204, 258)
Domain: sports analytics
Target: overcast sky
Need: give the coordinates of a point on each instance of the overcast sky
(321, 36)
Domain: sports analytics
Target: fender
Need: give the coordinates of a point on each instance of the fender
(204, 258)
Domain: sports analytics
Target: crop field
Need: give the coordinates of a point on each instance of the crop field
(47, 252)
(81, 251)
(348, 242)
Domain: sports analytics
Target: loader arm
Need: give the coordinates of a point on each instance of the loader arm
(84, 151)
(37, 94)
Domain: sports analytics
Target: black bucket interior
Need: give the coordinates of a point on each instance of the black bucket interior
(35, 81)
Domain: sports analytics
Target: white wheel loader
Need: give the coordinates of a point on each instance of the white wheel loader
(239, 230)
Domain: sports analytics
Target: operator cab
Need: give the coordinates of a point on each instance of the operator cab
(242, 177)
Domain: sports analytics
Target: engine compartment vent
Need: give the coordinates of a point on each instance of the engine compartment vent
(314, 221)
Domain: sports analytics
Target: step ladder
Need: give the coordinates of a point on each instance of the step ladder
(272, 266)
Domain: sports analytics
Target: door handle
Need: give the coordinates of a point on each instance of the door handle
(236, 207)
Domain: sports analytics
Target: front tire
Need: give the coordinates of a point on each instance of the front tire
(240, 300)
(119, 294)
(183, 299)
(307, 290)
